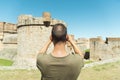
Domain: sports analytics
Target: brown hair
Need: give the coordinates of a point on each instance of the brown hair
(59, 32)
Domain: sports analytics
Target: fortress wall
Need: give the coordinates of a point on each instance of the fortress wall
(1, 26)
(1, 35)
(115, 45)
(83, 44)
(30, 40)
(9, 27)
(23, 41)
(8, 40)
(1, 30)
(101, 50)
(94, 44)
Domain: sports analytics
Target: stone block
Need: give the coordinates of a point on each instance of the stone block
(1, 35)
(8, 53)
(9, 27)
(10, 38)
(1, 26)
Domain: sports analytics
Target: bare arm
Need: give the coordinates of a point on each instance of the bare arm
(44, 49)
(76, 49)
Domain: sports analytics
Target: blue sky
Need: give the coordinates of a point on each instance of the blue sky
(85, 18)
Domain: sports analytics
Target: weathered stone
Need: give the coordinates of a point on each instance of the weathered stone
(8, 53)
(101, 50)
(46, 16)
(30, 40)
(1, 45)
(1, 26)
(10, 38)
(1, 35)
(24, 19)
(83, 44)
(8, 27)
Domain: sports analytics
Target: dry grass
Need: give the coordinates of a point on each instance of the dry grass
(110, 71)
(19, 75)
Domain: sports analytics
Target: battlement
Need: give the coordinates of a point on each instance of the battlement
(45, 20)
(113, 39)
(8, 27)
(104, 49)
(107, 39)
(95, 39)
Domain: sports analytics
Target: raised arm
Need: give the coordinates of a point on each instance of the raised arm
(45, 47)
(76, 49)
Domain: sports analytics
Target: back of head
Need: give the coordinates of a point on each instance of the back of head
(59, 32)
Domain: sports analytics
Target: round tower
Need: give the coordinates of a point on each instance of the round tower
(33, 32)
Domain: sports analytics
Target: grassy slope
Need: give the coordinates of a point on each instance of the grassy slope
(4, 62)
(109, 71)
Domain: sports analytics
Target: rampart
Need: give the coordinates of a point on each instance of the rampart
(100, 49)
(8, 40)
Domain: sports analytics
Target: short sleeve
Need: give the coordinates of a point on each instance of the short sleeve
(81, 60)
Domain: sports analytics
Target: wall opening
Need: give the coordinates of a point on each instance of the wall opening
(87, 55)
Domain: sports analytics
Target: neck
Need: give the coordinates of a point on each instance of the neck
(59, 49)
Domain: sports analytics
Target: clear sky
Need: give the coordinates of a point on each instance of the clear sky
(85, 18)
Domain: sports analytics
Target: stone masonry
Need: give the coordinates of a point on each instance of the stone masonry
(82, 43)
(101, 50)
(8, 40)
(32, 35)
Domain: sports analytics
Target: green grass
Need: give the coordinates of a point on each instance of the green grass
(19, 75)
(88, 61)
(4, 62)
(105, 66)
(87, 50)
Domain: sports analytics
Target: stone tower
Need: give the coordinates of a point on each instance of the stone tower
(33, 32)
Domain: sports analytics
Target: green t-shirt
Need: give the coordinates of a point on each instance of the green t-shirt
(59, 68)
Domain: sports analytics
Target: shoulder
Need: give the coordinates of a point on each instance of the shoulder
(77, 59)
(41, 58)
(76, 55)
(80, 59)
(41, 55)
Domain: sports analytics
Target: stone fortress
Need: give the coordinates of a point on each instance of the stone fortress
(8, 40)
(21, 42)
(101, 50)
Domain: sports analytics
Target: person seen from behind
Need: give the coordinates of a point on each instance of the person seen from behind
(59, 65)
